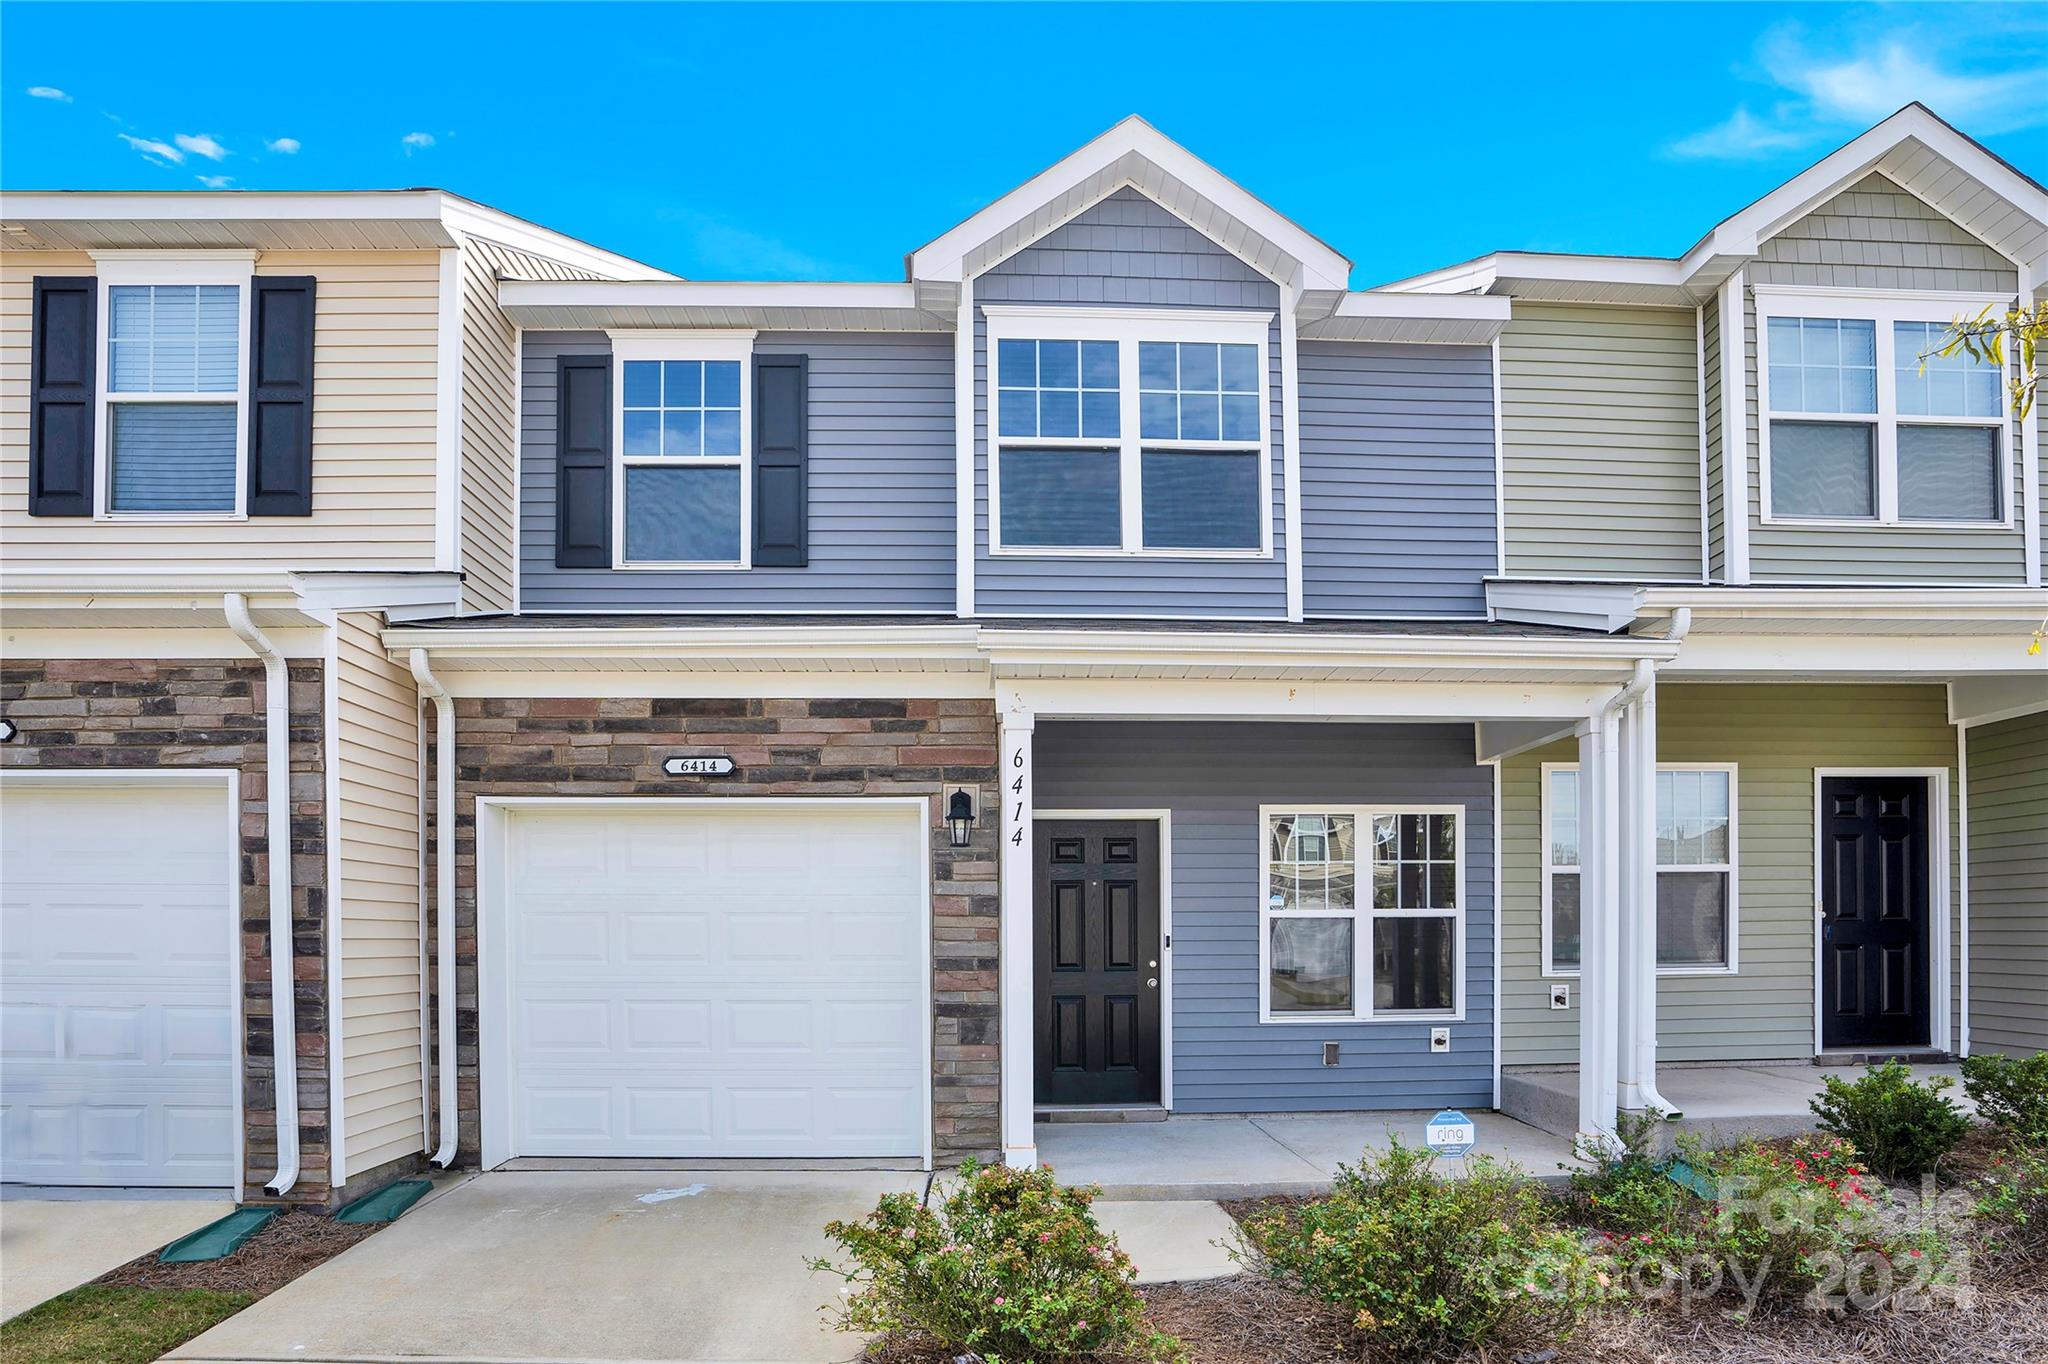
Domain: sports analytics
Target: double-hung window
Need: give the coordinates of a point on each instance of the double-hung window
(1696, 919)
(1864, 422)
(684, 429)
(1363, 913)
(1129, 431)
(172, 388)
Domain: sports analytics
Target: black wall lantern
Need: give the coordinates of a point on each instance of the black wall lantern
(960, 816)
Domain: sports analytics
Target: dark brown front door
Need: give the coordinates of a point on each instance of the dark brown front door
(1096, 931)
(1876, 916)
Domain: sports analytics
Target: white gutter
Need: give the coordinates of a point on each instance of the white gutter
(277, 803)
(444, 893)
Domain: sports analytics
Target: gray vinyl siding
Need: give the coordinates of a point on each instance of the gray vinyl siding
(1213, 777)
(1777, 736)
(1600, 433)
(1876, 235)
(881, 488)
(1397, 479)
(2009, 885)
(1717, 544)
(1126, 250)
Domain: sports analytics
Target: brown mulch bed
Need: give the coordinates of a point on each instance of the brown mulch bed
(1250, 1320)
(288, 1246)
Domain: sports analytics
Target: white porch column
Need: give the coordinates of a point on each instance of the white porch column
(1014, 954)
(1599, 957)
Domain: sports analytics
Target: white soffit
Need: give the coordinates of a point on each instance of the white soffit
(1136, 154)
(1443, 319)
(79, 220)
(602, 305)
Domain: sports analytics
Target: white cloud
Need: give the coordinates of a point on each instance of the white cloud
(49, 92)
(413, 142)
(159, 152)
(283, 146)
(216, 181)
(202, 144)
(1824, 92)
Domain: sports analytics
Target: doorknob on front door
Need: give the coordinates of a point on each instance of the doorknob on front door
(1152, 982)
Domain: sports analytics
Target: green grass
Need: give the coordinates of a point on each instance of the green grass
(113, 1324)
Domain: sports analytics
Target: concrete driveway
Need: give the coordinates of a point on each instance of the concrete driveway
(49, 1245)
(576, 1265)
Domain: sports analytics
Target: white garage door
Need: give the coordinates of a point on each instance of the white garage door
(116, 925)
(745, 980)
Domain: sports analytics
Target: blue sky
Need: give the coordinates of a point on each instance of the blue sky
(787, 141)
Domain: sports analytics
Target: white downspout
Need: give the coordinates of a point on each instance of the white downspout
(277, 810)
(1645, 1030)
(444, 893)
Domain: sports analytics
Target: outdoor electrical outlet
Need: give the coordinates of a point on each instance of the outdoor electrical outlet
(1329, 1053)
(1560, 996)
(1439, 1039)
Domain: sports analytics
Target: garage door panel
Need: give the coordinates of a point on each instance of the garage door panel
(718, 982)
(117, 1023)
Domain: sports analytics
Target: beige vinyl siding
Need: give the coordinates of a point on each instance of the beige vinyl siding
(1777, 736)
(1600, 431)
(1876, 235)
(490, 420)
(378, 830)
(373, 431)
(2009, 885)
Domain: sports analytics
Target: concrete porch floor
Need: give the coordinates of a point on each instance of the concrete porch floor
(1719, 1104)
(1206, 1157)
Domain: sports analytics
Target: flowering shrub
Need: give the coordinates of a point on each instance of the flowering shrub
(1783, 1221)
(2011, 1093)
(1011, 1267)
(1429, 1266)
(1902, 1128)
(2013, 1204)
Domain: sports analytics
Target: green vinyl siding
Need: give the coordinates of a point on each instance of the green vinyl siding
(1710, 365)
(1600, 437)
(1777, 735)
(1875, 235)
(2008, 800)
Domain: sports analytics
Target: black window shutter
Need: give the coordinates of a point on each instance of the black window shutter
(65, 349)
(583, 461)
(782, 472)
(281, 395)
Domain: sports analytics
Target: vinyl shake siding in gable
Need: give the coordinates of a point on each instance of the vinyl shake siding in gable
(374, 376)
(1127, 250)
(2009, 885)
(1875, 235)
(1600, 434)
(1397, 504)
(881, 487)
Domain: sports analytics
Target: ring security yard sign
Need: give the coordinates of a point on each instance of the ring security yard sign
(1451, 1133)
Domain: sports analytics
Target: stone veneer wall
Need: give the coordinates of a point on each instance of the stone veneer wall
(158, 713)
(573, 746)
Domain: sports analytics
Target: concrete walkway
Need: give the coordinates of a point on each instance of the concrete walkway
(52, 1245)
(1192, 1157)
(577, 1265)
(1171, 1242)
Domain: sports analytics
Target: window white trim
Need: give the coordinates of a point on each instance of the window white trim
(133, 268)
(1362, 915)
(1882, 308)
(1731, 868)
(1127, 327)
(683, 345)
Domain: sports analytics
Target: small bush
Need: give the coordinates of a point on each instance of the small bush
(1010, 1267)
(2012, 1206)
(1427, 1266)
(2011, 1093)
(1902, 1128)
(1783, 1220)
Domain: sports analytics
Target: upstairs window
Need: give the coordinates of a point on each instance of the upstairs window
(1695, 869)
(1856, 429)
(1130, 431)
(173, 393)
(683, 437)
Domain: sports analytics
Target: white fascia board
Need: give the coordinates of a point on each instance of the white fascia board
(627, 304)
(1502, 271)
(1581, 605)
(472, 218)
(945, 256)
(1234, 698)
(940, 642)
(1933, 605)
(1739, 234)
(409, 593)
(1872, 657)
(225, 206)
(1445, 319)
(21, 583)
(1052, 648)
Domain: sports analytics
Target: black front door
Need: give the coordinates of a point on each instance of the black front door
(1876, 916)
(1096, 930)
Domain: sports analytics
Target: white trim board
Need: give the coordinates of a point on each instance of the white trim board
(1164, 819)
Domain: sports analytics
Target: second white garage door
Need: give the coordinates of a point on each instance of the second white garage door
(720, 979)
